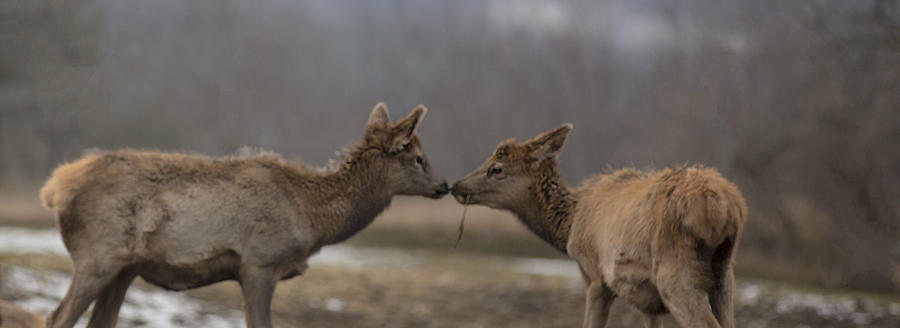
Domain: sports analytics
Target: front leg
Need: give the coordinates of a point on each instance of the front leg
(257, 286)
(599, 299)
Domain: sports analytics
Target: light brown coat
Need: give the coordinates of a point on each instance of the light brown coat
(661, 240)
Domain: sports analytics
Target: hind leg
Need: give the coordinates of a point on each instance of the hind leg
(721, 295)
(88, 281)
(721, 298)
(681, 286)
(106, 308)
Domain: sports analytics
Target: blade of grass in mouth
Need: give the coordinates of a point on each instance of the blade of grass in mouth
(462, 221)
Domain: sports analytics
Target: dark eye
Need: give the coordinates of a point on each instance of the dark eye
(495, 171)
(420, 160)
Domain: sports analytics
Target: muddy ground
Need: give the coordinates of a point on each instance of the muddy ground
(403, 272)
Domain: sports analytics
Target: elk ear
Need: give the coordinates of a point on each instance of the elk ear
(549, 143)
(379, 116)
(404, 129)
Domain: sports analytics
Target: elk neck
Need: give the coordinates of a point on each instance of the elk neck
(342, 202)
(550, 206)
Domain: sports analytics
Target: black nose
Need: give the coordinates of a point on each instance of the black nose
(441, 190)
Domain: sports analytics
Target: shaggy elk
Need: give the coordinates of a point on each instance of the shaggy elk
(183, 221)
(661, 240)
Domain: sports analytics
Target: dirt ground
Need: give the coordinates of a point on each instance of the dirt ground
(466, 297)
(402, 272)
(473, 290)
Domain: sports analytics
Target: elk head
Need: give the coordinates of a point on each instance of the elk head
(409, 170)
(505, 179)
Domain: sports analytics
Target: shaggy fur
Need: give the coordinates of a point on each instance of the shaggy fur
(662, 240)
(184, 221)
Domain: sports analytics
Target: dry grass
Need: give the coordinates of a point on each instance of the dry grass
(467, 287)
(425, 297)
(40, 262)
(419, 223)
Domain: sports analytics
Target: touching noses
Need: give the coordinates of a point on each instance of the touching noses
(441, 190)
(459, 193)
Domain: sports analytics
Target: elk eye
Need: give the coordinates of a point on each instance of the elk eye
(420, 160)
(495, 171)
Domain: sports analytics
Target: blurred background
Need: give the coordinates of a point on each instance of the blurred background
(796, 102)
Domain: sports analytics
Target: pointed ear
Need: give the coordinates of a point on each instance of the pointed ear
(379, 115)
(549, 143)
(404, 129)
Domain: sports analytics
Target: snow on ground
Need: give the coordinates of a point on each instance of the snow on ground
(359, 258)
(548, 267)
(158, 308)
(142, 307)
(841, 307)
(26, 241)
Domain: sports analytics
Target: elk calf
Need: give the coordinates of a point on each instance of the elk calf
(184, 221)
(662, 240)
(12, 316)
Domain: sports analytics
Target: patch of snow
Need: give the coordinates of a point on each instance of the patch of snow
(547, 267)
(749, 294)
(334, 305)
(860, 318)
(23, 241)
(142, 307)
(826, 307)
(359, 258)
(833, 307)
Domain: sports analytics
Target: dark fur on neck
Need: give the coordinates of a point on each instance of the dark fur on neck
(552, 205)
(342, 202)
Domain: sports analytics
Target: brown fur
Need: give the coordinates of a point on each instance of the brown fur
(12, 316)
(183, 221)
(661, 240)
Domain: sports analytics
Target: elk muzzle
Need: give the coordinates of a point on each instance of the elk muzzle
(460, 193)
(440, 190)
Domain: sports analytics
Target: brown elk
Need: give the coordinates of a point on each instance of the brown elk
(661, 240)
(12, 316)
(183, 221)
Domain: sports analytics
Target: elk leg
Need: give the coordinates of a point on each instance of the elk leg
(680, 286)
(721, 299)
(722, 292)
(257, 286)
(106, 308)
(597, 303)
(87, 283)
(650, 320)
